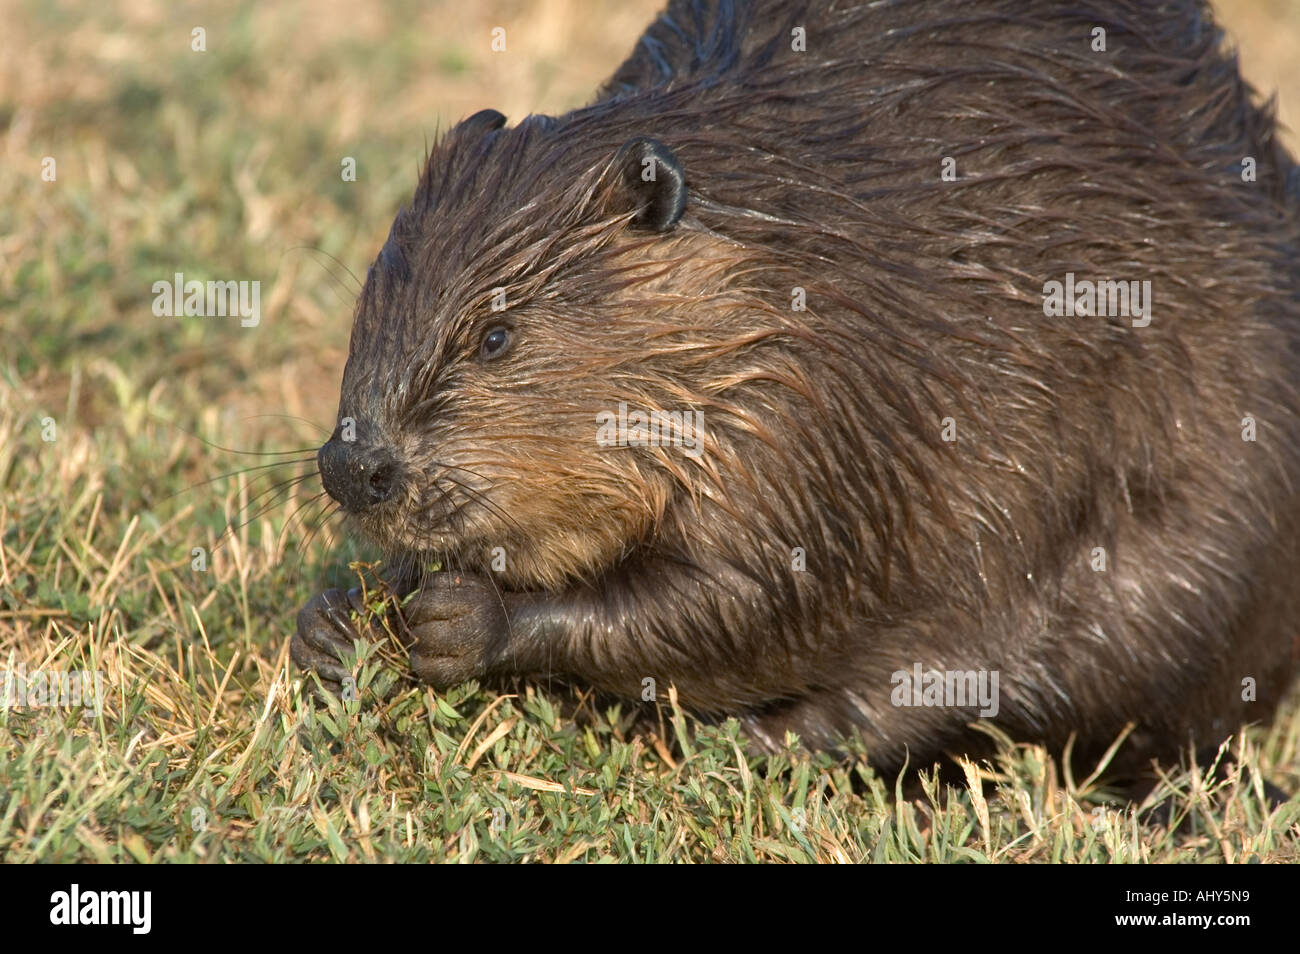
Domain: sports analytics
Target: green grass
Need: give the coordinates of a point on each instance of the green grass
(226, 165)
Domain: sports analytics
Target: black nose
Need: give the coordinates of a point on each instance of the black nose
(356, 476)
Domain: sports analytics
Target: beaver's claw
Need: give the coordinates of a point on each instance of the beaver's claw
(326, 635)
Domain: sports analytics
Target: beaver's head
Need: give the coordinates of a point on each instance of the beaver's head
(542, 284)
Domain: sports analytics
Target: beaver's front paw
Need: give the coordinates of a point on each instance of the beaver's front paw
(325, 634)
(455, 627)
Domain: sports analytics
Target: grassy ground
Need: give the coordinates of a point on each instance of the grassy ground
(225, 164)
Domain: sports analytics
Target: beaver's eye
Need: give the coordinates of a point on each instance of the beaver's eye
(495, 343)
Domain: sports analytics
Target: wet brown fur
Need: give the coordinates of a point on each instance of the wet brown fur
(821, 170)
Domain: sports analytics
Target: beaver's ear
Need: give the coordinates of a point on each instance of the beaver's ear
(651, 180)
(480, 124)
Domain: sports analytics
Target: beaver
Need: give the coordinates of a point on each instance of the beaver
(873, 369)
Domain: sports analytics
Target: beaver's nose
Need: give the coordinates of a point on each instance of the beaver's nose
(357, 477)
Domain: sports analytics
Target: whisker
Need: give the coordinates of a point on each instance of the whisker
(313, 525)
(483, 499)
(290, 417)
(236, 473)
(342, 293)
(282, 487)
(232, 450)
(301, 508)
(324, 517)
(337, 261)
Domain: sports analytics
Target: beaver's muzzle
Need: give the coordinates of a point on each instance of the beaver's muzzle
(357, 476)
